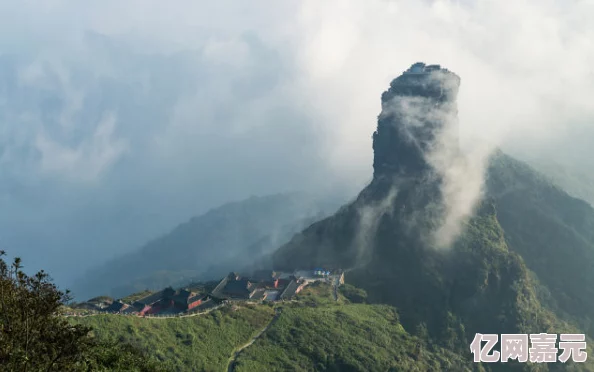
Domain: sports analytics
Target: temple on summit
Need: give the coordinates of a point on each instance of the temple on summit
(421, 68)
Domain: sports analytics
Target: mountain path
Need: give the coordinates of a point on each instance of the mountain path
(149, 316)
(335, 289)
(233, 358)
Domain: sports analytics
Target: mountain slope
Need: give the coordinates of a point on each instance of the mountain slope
(202, 343)
(314, 333)
(229, 237)
(576, 181)
(495, 276)
(325, 335)
(552, 231)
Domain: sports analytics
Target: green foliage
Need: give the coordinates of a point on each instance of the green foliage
(353, 294)
(578, 182)
(554, 234)
(117, 356)
(200, 343)
(34, 337)
(316, 294)
(331, 336)
(314, 333)
(523, 263)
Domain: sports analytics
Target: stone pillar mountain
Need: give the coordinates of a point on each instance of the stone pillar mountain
(482, 281)
(419, 104)
(477, 284)
(404, 196)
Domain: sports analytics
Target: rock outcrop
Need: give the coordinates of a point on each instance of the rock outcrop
(405, 191)
(481, 283)
(419, 104)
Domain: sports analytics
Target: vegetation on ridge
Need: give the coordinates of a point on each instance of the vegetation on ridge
(315, 332)
(554, 234)
(483, 284)
(34, 337)
(200, 343)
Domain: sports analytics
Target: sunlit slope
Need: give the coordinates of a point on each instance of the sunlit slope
(315, 332)
(552, 231)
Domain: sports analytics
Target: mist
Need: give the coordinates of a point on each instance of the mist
(119, 121)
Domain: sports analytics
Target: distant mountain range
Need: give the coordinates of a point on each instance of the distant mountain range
(230, 237)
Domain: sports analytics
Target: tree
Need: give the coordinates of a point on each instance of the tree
(34, 337)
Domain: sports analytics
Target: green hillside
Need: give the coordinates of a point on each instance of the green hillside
(523, 263)
(200, 343)
(552, 231)
(576, 181)
(320, 334)
(481, 285)
(315, 332)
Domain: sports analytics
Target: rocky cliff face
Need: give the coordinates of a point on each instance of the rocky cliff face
(419, 111)
(482, 283)
(417, 108)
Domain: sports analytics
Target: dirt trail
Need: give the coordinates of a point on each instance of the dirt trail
(231, 364)
(335, 288)
(148, 316)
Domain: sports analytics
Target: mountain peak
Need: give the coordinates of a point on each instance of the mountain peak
(418, 105)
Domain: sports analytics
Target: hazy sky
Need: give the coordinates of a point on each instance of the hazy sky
(120, 119)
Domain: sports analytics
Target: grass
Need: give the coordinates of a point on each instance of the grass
(201, 343)
(313, 333)
(317, 294)
(319, 333)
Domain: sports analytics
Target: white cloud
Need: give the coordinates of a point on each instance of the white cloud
(225, 99)
(86, 161)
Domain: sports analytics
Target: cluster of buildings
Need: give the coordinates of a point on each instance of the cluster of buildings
(167, 301)
(422, 68)
(321, 272)
(269, 285)
(261, 285)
